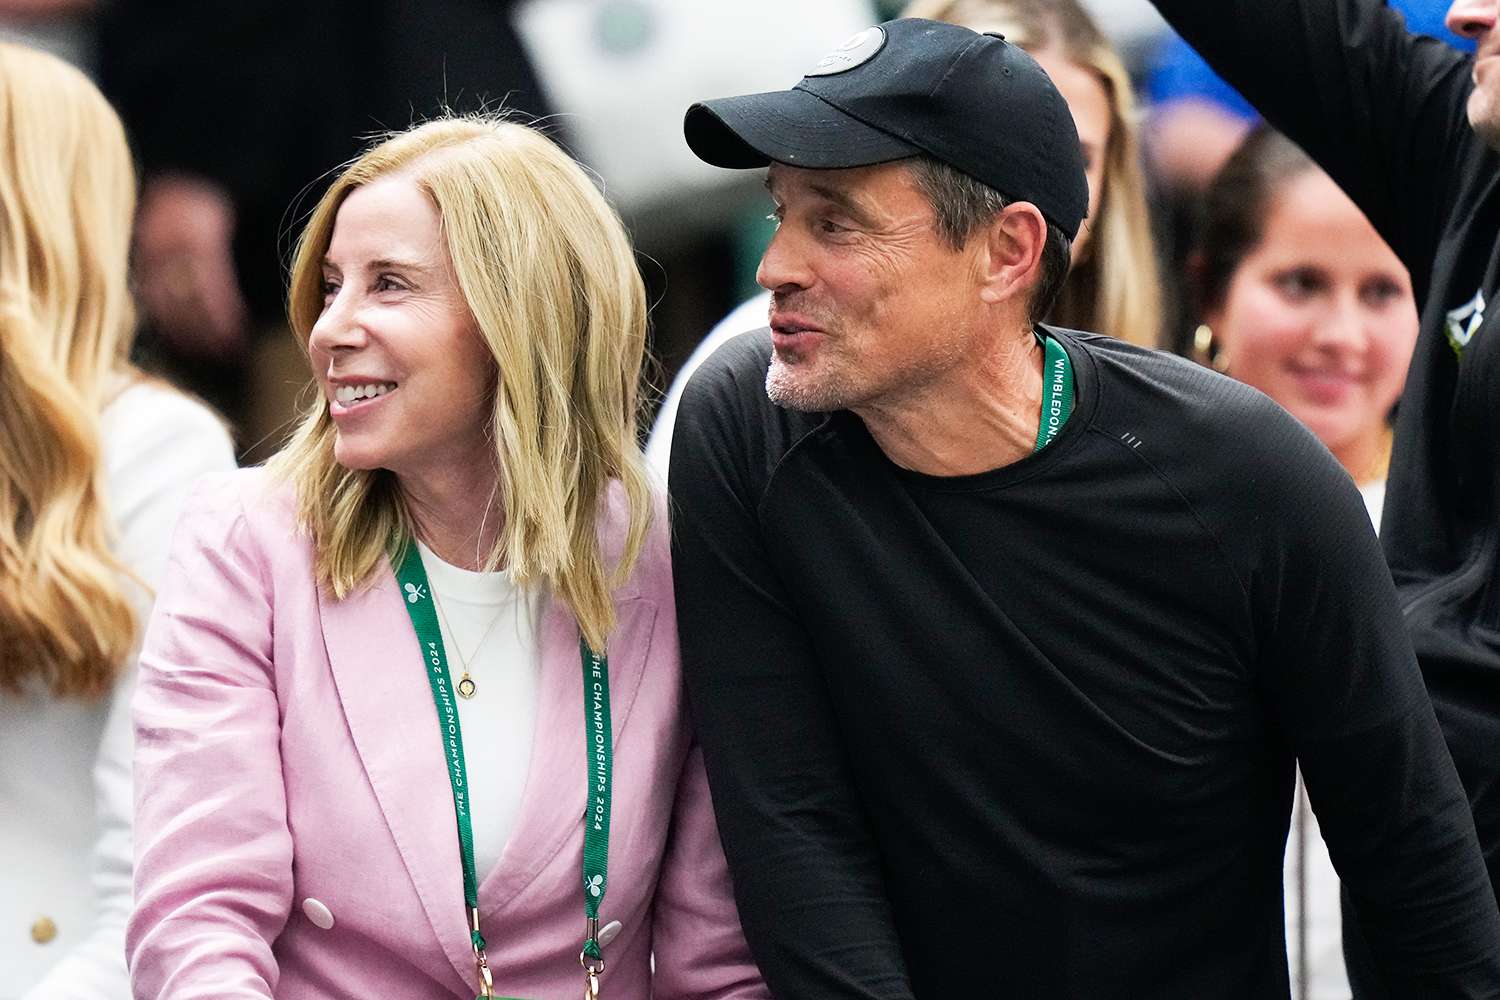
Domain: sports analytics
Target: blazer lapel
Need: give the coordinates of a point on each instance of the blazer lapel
(552, 805)
(378, 670)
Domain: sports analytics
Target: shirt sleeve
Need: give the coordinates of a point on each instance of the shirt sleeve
(806, 872)
(1339, 677)
(213, 875)
(699, 948)
(1380, 109)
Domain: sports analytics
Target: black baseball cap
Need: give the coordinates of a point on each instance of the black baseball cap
(904, 88)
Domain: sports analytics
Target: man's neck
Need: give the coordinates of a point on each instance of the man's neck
(981, 416)
(457, 512)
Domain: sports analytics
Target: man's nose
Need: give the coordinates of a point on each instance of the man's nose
(1472, 18)
(783, 265)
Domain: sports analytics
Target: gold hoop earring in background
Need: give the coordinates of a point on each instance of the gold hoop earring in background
(1206, 352)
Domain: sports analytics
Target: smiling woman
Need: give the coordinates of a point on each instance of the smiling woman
(463, 511)
(406, 375)
(411, 269)
(1301, 298)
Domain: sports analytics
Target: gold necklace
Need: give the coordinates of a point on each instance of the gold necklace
(1380, 465)
(466, 686)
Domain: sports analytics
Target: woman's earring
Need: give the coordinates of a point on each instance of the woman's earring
(1206, 352)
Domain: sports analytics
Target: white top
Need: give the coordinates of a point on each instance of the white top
(1374, 497)
(490, 623)
(65, 793)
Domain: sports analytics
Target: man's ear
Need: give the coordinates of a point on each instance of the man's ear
(1011, 259)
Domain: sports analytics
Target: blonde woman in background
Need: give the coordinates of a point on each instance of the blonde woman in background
(94, 462)
(410, 720)
(1114, 286)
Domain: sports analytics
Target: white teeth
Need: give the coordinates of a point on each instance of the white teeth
(349, 393)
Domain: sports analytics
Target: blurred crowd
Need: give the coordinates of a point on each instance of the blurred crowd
(1208, 235)
(238, 114)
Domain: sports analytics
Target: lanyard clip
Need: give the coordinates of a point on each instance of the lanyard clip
(481, 960)
(486, 981)
(591, 957)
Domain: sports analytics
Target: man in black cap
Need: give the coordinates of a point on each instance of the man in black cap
(1002, 640)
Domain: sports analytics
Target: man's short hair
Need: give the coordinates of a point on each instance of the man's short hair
(963, 204)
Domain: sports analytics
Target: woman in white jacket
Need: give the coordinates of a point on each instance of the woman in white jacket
(94, 461)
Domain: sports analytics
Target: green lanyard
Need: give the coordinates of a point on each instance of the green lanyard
(1057, 393)
(599, 737)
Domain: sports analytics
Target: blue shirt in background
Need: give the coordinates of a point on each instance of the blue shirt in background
(1178, 72)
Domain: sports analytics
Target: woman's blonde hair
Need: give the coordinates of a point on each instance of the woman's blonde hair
(67, 196)
(549, 276)
(1115, 288)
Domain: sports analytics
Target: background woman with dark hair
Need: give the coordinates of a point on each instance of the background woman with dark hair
(1301, 298)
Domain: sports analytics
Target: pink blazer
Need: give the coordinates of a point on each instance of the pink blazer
(288, 769)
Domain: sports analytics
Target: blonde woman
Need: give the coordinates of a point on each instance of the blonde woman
(1114, 286)
(94, 463)
(410, 720)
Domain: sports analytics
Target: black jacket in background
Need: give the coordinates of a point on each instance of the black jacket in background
(1384, 112)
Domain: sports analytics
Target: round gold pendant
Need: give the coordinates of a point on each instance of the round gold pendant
(467, 687)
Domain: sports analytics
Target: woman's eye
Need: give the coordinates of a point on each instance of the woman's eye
(330, 289)
(1379, 294)
(1299, 284)
(386, 283)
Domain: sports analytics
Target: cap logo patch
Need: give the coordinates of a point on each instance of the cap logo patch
(857, 51)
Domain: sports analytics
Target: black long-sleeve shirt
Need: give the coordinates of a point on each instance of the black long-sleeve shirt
(1385, 113)
(1031, 733)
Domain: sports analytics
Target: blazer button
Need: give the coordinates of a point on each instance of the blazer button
(44, 930)
(320, 915)
(609, 932)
